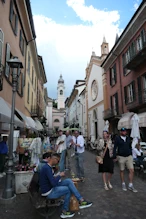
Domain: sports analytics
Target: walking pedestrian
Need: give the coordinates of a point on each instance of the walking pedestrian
(3, 153)
(61, 149)
(105, 150)
(78, 143)
(20, 149)
(123, 148)
(53, 187)
(68, 147)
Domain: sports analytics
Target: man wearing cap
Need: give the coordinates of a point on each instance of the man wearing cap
(122, 147)
(61, 149)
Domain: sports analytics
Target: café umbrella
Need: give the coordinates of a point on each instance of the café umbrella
(135, 133)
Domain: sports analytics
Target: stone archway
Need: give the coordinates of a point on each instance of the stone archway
(95, 124)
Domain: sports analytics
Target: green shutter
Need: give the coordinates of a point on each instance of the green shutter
(16, 24)
(117, 103)
(115, 73)
(1, 49)
(139, 89)
(7, 68)
(125, 95)
(111, 102)
(11, 11)
(110, 75)
(20, 39)
(22, 83)
(133, 90)
(143, 36)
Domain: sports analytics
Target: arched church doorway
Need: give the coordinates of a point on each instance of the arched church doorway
(95, 124)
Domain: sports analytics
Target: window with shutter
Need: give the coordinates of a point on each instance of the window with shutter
(21, 42)
(144, 88)
(125, 95)
(7, 68)
(16, 24)
(139, 90)
(32, 75)
(13, 17)
(22, 83)
(111, 102)
(1, 45)
(110, 77)
(28, 93)
(113, 75)
(11, 11)
(133, 90)
(143, 36)
(28, 69)
(116, 104)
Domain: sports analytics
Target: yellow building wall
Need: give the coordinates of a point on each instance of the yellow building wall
(31, 79)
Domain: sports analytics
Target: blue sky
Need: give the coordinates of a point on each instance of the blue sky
(69, 30)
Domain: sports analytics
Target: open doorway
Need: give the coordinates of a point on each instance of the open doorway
(95, 124)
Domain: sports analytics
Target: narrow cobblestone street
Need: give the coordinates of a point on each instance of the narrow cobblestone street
(113, 204)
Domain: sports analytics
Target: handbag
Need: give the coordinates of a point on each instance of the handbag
(99, 159)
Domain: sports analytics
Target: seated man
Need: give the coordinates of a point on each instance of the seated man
(44, 161)
(52, 187)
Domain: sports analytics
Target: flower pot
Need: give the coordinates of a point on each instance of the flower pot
(22, 180)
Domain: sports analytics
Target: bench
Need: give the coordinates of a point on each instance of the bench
(45, 207)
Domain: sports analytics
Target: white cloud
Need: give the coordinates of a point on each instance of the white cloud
(66, 49)
(136, 5)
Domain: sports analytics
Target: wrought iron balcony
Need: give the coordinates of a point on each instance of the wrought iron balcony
(137, 101)
(136, 53)
(110, 113)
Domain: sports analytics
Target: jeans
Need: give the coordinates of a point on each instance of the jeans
(69, 157)
(139, 161)
(65, 188)
(79, 157)
(62, 161)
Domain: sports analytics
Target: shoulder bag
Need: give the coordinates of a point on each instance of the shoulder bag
(99, 159)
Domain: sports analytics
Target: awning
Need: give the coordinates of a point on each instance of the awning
(125, 121)
(38, 125)
(142, 119)
(30, 123)
(5, 114)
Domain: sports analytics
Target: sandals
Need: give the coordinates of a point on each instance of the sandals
(105, 187)
(108, 187)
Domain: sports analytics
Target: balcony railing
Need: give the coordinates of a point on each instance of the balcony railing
(136, 54)
(36, 111)
(139, 99)
(110, 113)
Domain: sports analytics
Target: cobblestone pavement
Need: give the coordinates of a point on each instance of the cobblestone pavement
(113, 204)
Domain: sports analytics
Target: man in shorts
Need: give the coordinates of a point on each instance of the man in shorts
(123, 153)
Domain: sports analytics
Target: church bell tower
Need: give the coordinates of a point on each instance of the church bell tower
(60, 93)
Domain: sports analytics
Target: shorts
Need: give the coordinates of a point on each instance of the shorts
(125, 161)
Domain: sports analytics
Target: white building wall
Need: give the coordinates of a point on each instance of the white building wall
(96, 74)
(97, 105)
(49, 115)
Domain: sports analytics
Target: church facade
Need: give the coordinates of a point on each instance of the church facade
(55, 116)
(94, 93)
